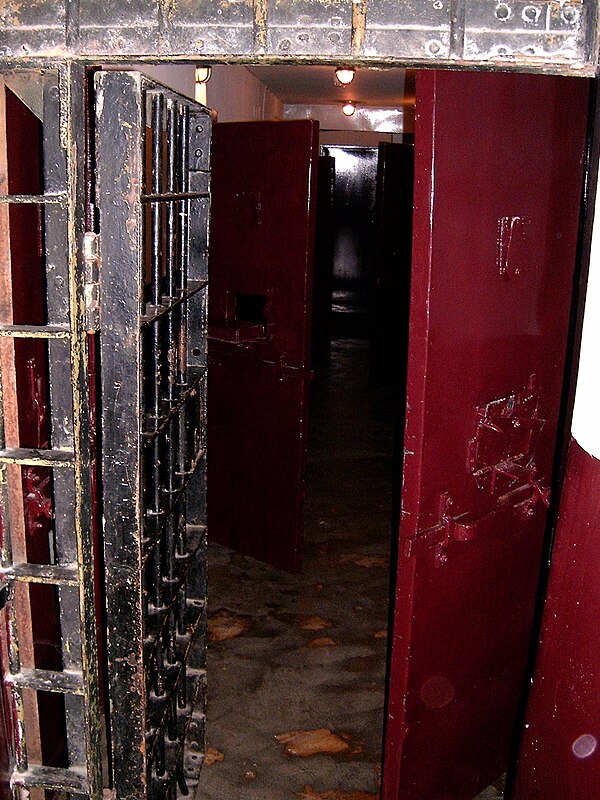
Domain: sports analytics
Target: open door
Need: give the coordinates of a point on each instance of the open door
(261, 257)
(498, 181)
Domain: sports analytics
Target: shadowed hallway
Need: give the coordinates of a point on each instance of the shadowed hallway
(297, 663)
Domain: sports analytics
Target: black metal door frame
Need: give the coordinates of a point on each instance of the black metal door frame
(58, 93)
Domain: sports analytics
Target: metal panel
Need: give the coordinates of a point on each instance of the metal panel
(153, 160)
(541, 35)
(55, 464)
(262, 251)
(558, 757)
(494, 249)
(301, 27)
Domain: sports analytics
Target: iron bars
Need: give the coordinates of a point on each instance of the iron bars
(153, 160)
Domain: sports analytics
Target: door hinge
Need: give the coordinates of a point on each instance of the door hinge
(91, 258)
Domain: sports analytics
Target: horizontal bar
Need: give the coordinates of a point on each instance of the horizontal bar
(71, 780)
(34, 331)
(45, 199)
(170, 196)
(169, 303)
(59, 574)
(45, 680)
(37, 458)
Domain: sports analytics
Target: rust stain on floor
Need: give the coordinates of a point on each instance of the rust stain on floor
(213, 756)
(312, 743)
(223, 625)
(321, 641)
(314, 623)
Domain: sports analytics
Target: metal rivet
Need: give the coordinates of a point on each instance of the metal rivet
(303, 38)
(199, 44)
(334, 37)
(199, 128)
(198, 153)
(434, 47)
(503, 11)
(531, 14)
(285, 44)
(59, 281)
(438, 5)
(569, 14)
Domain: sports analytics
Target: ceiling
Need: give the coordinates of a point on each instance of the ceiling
(307, 85)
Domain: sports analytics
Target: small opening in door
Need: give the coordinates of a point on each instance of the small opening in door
(250, 308)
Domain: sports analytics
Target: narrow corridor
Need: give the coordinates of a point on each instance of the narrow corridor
(297, 663)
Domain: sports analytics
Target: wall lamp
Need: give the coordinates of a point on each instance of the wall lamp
(344, 75)
(202, 74)
(201, 78)
(348, 108)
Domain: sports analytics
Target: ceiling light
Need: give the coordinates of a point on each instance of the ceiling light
(348, 108)
(344, 75)
(203, 74)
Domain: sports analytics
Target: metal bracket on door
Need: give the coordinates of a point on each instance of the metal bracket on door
(468, 526)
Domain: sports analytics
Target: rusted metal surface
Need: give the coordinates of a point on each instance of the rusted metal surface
(483, 402)
(537, 35)
(153, 176)
(9, 413)
(49, 452)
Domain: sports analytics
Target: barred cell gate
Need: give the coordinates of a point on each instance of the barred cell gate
(141, 277)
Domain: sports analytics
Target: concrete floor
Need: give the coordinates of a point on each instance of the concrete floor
(297, 663)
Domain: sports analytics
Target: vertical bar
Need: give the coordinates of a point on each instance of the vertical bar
(72, 102)
(260, 25)
(359, 25)
(457, 28)
(182, 312)
(119, 148)
(13, 511)
(61, 408)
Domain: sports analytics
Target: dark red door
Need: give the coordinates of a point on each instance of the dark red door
(261, 262)
(498, 178)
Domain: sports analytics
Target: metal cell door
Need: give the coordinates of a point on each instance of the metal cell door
(152, 151)
(262, 250)
(498, 182)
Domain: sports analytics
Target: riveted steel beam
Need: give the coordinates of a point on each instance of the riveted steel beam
(547, 36)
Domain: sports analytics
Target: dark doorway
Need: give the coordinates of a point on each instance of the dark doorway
(354, 238)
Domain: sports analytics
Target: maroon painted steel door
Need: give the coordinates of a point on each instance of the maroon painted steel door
(498, 177)
(261, 262)
(559, 758)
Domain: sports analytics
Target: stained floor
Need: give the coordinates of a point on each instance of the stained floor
(297, 663)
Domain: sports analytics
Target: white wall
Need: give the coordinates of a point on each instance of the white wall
(238, 96)
(366, 127)
(179, 77)
(586, 420)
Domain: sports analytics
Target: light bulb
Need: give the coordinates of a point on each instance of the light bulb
(348, 108)
(344, 75)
